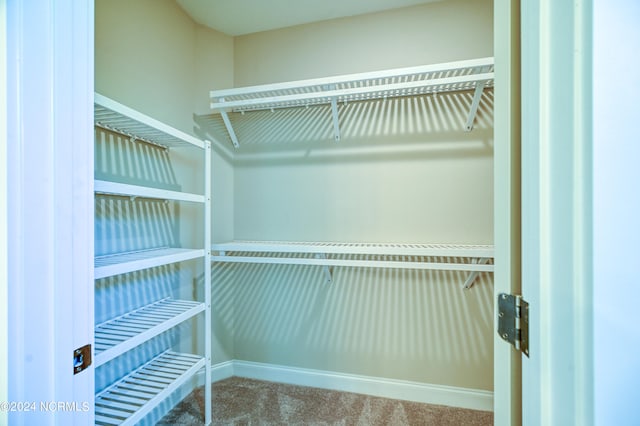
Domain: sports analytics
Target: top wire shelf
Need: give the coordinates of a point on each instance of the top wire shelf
(412, 81)
(113, 116)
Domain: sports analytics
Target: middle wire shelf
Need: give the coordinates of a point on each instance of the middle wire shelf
(117, 336)
(122, 263)
(449, 257)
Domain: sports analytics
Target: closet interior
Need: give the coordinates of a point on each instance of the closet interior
(338, 225)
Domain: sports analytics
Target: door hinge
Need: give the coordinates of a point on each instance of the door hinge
(513, 321)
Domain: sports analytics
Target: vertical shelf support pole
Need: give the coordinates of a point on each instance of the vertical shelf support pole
(473, 275)
(207, 282)
(328, 272)
(474, 105)
(227, 124)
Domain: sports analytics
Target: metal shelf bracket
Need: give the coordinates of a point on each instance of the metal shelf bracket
(227, 124)
(474, 105)
(328, 271)
(336, 124)
(473, 275)
(334, 114)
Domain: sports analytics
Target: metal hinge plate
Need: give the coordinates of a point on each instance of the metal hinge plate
(513, 321)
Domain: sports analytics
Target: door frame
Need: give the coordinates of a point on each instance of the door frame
(506, 361)
(557, 210)
(543, 208)
(50, 208)
(4, 302)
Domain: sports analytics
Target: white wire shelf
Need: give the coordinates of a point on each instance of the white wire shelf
(121, 334)
(114, 116)
(412, 81)
(115, 188)
(127, 401)
(445, 257)
(476, 74)
(116, 264)
(427, 250)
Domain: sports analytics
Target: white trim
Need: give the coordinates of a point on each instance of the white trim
(506, 362)
(376, 386)
(4, 363)
(221, 371)
(557, 212)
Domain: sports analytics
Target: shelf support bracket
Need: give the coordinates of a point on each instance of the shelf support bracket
(473, 275)
(336, 124)
(474, 105)
(334, 114)
(328, 271)
(227, 124)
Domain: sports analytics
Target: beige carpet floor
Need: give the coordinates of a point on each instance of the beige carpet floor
(239, 401)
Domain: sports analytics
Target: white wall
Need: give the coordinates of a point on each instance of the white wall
(213, 67)
(145, 55)
(214, 70)
(435, 195)
(431, 33)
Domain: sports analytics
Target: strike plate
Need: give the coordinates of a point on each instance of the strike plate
(81, 358)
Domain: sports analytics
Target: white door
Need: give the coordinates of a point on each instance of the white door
(49, 168)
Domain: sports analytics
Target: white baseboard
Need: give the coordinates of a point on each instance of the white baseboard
(222, 371)
(368, 385)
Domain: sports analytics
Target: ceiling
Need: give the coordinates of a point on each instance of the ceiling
(239, 17)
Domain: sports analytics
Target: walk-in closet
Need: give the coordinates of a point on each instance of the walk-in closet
(308, 204)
